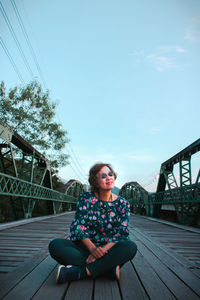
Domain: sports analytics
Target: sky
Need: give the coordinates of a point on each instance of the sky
(125, 75)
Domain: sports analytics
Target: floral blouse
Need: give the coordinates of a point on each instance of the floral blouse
(100, 221)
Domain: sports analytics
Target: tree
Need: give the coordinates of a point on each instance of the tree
(29, 111)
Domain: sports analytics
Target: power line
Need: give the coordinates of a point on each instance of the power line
(15, 39)
(76, 169)
(28, 41)
(76, 173)
(11, 60)
(76, 161)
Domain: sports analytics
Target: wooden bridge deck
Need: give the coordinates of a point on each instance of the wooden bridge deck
(167, 264)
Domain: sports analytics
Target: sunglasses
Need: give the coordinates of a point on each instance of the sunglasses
(104, 175)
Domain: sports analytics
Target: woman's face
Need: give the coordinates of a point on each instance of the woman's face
(105, 179)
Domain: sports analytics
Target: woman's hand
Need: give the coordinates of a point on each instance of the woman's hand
(108, 246)
(90, 259)
(98, 252)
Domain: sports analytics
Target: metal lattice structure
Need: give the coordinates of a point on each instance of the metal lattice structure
(137, 196)
(26, 179)
(182, 197)
(72, 190)
(185, 195)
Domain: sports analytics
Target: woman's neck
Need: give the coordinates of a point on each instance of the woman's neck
(105, 195)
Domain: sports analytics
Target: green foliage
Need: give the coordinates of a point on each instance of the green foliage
(29, 111)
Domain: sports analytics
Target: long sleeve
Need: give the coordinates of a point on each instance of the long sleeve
(123, 220)
(99, 220)
(79, 229)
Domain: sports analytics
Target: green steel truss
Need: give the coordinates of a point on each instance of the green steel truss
(72, 191)
(12, 186)
(184, 196)
(137, 196)
(25, 178)
(188, 194)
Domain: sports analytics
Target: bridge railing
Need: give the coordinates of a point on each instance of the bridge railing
(26, 181)
(23, 196)
(186, 194)
(12, 186)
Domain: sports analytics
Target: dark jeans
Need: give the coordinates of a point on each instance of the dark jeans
(66, 252)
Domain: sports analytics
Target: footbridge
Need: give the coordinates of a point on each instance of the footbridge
(181, 197)
(166, 265)
(26, 187)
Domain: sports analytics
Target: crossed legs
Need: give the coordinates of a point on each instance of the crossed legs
(66, 252)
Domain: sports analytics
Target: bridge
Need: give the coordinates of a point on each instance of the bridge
(166, 266)
(26, 184)
(183, 198)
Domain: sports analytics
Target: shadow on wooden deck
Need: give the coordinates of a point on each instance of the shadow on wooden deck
(167, 264)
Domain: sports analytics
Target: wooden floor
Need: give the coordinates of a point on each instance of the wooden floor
(167, 264)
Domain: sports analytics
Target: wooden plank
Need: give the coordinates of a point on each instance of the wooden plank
(130, 286)
(145, 238)
(80, 290)
(156, 271)
(106, 289)
(22, 239)
(50, 290)
(17, 250)
(161, 232)
(32, 220)
(3, 258)
(16, 255)
(184, 227)
(8, 263)
(27, 287)
(33, 235)
(154, 286)
(11, 280)
(30, 240)
(165, 256)
(174, 284)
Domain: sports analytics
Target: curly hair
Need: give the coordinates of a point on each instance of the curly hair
(93, 178)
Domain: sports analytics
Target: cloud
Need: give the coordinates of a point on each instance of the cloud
(164, 57)
(180, 50)
(192, 33)
(162, 62)
(154, 130)
(171, 49)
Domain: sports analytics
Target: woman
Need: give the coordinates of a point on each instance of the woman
(99, 242)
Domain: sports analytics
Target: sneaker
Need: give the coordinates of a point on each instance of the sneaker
(67, 273)
(114, 273)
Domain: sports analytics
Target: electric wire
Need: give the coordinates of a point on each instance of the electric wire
(75, 169)
(5, 16)
(72, 155)
(20, 153)
(152, 182)
(28, 41)
(77, 172)
(76, 161)
(80, 178)
(11, 60)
